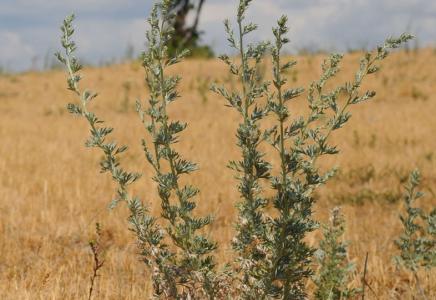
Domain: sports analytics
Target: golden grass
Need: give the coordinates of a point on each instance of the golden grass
(51, 192)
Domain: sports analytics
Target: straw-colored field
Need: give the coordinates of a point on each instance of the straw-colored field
(51, 191)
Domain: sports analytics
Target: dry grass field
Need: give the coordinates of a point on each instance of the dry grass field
(51, 192)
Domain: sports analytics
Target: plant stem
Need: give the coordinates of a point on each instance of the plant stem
(364, 276)
(282, 190)
(421, 290)
(247, 122)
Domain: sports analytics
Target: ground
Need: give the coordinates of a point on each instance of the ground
(51, 191)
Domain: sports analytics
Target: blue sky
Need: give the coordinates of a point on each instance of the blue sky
(29, 29)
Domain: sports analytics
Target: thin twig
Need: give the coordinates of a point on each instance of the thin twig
(419, 285)
(364, 276)
(95, 247)
(366, 283)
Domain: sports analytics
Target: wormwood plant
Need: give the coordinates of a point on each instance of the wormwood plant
(332, 278)
(189, 272)
(417, 243)
(273, 260)
(273, 256)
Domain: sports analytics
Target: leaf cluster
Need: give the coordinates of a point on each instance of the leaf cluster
(418, 241)
(333, 276)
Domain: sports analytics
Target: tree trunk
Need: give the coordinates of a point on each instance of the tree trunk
(185, 36)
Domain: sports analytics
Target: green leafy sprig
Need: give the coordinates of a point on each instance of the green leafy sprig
(176, 274)
(195, 264)
(252, 168)
(417, 243)
(333, 275)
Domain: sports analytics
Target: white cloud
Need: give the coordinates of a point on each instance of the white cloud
(107, 39)
(13, 51)
(216, 12)
(328, 24)
(101, 35)
(32, 7)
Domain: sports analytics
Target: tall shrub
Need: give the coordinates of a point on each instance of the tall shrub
(273, 260)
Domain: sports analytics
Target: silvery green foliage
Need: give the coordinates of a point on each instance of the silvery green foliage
(417, 243)
(195, 266)
(273, 258)
(252, 226)
(98, 134)
(332, 278)
(189, 272)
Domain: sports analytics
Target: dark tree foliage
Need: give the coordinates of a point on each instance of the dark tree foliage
(186, 35)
